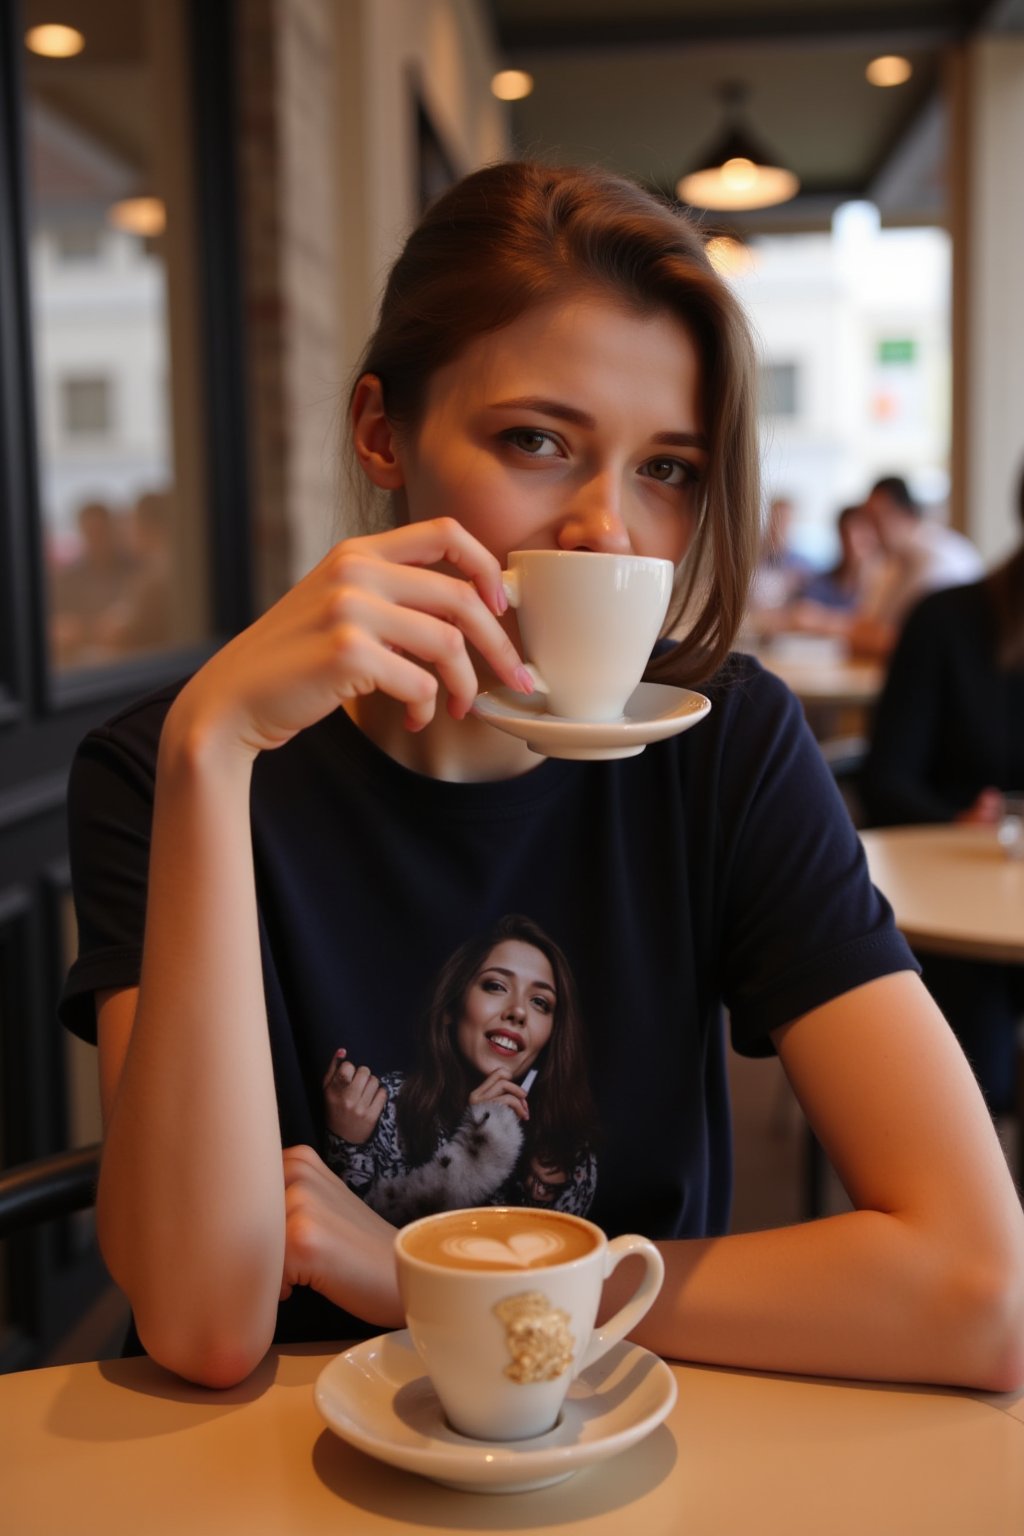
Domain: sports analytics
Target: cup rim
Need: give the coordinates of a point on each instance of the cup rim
(590, 554)
(531, 1211)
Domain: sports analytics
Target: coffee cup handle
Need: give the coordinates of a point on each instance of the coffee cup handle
(510, 585)
(627, 1317)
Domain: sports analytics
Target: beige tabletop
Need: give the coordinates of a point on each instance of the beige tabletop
(819, 671)
(123, 1449)
(952, 888)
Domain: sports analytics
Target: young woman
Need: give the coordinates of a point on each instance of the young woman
(303, 830)
(498, 1110)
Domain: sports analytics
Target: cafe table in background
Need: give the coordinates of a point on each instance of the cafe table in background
(838, 691)
(953, 889)
(122, 1448)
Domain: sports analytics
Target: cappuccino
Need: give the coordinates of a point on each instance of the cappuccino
(499, 1239)
(501, 1304)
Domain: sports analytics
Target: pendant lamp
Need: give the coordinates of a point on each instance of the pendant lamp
(737, 171)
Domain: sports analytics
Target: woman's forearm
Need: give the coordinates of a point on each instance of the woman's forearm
(862, 1294)
(191, 1197)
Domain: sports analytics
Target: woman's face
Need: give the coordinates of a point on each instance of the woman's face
(509, 1009)
(577, 426)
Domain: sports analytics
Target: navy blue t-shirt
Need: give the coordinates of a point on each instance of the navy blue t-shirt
(717, 868)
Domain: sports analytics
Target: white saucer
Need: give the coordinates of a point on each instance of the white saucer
(376, 1397)
(653, 711)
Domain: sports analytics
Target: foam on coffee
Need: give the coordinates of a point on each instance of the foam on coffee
(514, 1240)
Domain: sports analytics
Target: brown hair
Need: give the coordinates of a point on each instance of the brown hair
(1006, 591)
(519, 234)
(434, 1096)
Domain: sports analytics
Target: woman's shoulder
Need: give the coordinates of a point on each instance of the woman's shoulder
(134, 731)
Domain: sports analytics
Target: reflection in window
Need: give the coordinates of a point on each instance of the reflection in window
(114, 317)
(86, 407)
(779, 389)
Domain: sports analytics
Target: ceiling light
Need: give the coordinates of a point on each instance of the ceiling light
(737, 171)
(889, 69)
(54, 42)
(144, 216)
(511, 84)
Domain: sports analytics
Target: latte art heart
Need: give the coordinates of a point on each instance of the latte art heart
(518, 1251)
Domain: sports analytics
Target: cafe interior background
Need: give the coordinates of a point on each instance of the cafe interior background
(197, 201)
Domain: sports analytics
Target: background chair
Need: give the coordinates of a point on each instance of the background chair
(50, 1186)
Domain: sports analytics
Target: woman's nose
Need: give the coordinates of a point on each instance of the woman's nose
(594, 521)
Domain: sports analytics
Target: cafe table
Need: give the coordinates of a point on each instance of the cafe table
(118, 1447)
(952, 888)
(838, 691)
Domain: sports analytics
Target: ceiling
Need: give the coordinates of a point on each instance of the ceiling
(633, 84)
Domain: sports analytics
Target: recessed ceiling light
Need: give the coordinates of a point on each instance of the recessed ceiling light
(54, 41)
(889, 69)
(511, 84)
(144, 216)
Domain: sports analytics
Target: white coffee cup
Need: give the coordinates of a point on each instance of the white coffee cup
(588, 624)
(501, 1303)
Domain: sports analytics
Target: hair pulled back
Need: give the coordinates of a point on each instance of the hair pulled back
(518, 234)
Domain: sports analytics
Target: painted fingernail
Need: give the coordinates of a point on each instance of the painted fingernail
(501, 600)
(524, 682)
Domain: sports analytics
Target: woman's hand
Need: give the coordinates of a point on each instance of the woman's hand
(986, 809)
(354, 1100)
(335, 1244)
(499, 1088)
(373, 615)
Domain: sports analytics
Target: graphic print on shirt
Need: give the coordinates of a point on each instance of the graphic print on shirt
(497, 1110)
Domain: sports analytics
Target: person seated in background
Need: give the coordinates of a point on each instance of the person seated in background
(921, 555)
(780, 571)
(947, 742)
(139, 617)
(821, 602)
(83, 591)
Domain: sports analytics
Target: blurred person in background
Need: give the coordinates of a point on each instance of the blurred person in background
(780, 571)
(947, 743)
(921, 555)
(139, 618)
(84, 590)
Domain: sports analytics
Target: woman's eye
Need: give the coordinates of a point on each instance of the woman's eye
(543, 1004)
(491, 984)
(670, 471)
(539, 445)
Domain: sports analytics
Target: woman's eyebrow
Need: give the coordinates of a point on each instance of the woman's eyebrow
(504, 971)
(578, 418)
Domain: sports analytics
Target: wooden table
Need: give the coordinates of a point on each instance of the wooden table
(952, 888)
(121, 1448)
(838, 692)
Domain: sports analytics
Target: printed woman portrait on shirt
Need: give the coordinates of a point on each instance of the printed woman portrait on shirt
(498, 1109)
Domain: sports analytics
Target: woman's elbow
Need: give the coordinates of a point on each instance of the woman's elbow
(209, 1357)
(989, 1308)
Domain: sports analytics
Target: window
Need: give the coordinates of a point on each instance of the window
(779, 389)
(85, 407)
(78, 242)
(117, 338)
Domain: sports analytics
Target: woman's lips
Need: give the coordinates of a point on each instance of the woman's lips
(505, 1042)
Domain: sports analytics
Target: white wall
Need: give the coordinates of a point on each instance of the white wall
(388, 49)
(995, 297)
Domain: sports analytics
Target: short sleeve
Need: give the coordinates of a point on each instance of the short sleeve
(803, 922)
(110, 809)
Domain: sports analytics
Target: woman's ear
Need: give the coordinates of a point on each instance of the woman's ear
(373, 436)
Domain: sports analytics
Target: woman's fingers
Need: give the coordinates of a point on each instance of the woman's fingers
(427, 615)
(443, 541)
